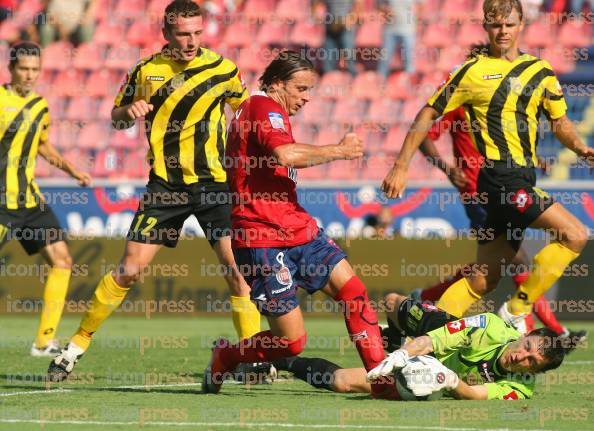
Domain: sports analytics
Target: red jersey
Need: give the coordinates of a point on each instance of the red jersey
(466, 155)
(265, 209)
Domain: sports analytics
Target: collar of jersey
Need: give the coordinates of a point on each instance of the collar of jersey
(197, 61)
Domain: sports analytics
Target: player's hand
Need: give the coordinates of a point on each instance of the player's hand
(428, 375)
(84, 179)
(394, 183)
(138, 109)
(457, 177)
(351, 146)
(587, 154)
(394, 361)
(544, 165)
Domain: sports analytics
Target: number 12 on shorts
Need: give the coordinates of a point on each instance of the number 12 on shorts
(150, 224)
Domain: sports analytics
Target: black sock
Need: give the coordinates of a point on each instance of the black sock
(317, 372)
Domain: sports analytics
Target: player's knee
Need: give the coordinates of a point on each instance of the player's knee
(393, 301)
(340, 383)
(482, 285)
(295, 347)
(63, 261)
(575, 238)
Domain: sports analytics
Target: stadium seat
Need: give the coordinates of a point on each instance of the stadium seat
(313, 173)
(292, 11)
(348, 111)
(136, 165)
(257, 11)
(451, 57)
(101, 83)
(81, 108)
(89, 56)
(316, 112)
(94, 135)
(105, 107)
(376, 166)
(437, 35)
(303, 133)
(575, 34)
(471, 33)
(42, 168)
(345, 169)
(383, 111)
(329, 136)
(109, 33)
(240, 35)
(561, 60)
(398, 86)
(141, 33)
(455, 11)
(9, 30)
(273, 34)
(130, 139)
(409, 110)
(307, 33)
(334, 85)
(370, 34)
(122, 57)
(251, 59)
(394, 139)
(58, 56)
(108, 163)
(368, 85)
(68, 83)
(129, 9)
(539, 34)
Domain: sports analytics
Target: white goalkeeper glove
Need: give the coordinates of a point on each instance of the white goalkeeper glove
(427, 375)
(394, 361)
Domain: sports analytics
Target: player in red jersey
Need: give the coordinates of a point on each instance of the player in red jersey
(277, 244)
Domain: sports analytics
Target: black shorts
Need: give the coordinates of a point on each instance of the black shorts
(416, 318)
(163, 209)
(35, 228)
(512, 201)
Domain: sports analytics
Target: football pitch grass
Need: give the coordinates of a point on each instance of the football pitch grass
(143, 373)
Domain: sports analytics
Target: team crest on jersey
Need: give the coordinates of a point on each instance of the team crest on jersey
(516, 85)
(276, 120)
(495, 76)
(177, 81)
(511, 396)
(283, 275)
(522, 200)
(456, 326)
(155, 78)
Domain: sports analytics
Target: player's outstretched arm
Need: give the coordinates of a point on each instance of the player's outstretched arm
(123, 117)
(464, 391)
(305, 155)
(49, 153)
(565, 131)
(395, 181)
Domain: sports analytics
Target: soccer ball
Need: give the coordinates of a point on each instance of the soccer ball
(406, 394)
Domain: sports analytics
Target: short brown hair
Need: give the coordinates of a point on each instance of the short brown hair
(501, 8)
(283, 67)
(23, 48)
(185, 8)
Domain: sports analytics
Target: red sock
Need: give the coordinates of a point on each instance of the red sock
(529, 323)
(520, 278)
(361, 322)
(545, 314)
(434, 293)
(262, 347)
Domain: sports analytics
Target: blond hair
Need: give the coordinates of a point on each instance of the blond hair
(501, 8)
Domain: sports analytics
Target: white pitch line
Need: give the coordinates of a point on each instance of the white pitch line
(578, 362)
(46, 391)
(256, 424)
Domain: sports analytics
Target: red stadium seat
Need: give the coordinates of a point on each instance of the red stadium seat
(368, 85)
(370, 34)
(108, 163)
(258, 10)
(539, 34)
(122, 57)
(451, 57)
(293, 10)
(58, 56)
(251, 59)
(9, 30)
(313, 173)
(130, 139)
(129, 9)
(81, 108)
(303, 133)
(68, 83)
(348, 111)
(109, 33)
(334, 85)
(105, 107)
(455, 11)
(307, 34)
(329, 136)
(561, 60)
(42, 168)
(89, 56)
(68, 135)
(376, 166)
(344, 169)
(437, 35)
(142, 34)
(101, 83)
(399, 86)
(94, 135)
(395, 138)
(273, 34)
(316, 112)
(136, 165)
(383, 111)
(471, 33)
(410, 109)
(575, 34)
(239, 35)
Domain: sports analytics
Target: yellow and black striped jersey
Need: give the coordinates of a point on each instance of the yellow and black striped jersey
(503, 101)
(24, 122)
(186, 129)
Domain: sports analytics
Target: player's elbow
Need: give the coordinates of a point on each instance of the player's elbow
(283, 158)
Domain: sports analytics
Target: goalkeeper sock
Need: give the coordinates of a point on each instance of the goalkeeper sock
(54, 296)
(246, 317)
(435, 292)
(108, 296)
(458, 298)
(262, 347)
(317, 372)
(548, 265)
(361, 322)
(543, 311)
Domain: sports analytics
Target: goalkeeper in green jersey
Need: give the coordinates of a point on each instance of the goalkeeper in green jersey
(484, 356)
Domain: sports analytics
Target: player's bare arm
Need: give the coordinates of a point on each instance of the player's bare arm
(453, 172)
(565, 131)
(464, 391)
(124, 116)
(49, 153)
(305, 155)
(395, 181)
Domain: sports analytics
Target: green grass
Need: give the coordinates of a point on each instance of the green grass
(564, 401)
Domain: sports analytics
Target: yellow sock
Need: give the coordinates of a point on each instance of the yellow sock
(108, 296)
(246, 318)
(458, 298)
(548, 265)
(54, 295)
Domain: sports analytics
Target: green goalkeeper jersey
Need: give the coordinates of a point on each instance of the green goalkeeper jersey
(471, 346)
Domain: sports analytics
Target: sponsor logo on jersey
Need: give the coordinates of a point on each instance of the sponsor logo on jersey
(281, 290)
(155, 78)
(511, 396)
(479, 321)
(440, 377)
(456, 326)
(522, 200)
(261, 297)
(416, 312)
(496, 76)
(283, 275)
(276, 120)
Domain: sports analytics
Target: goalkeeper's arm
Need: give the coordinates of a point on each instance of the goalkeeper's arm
(464, 391)
(422, 345)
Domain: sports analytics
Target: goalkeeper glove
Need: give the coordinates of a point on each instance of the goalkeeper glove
(394, 361)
